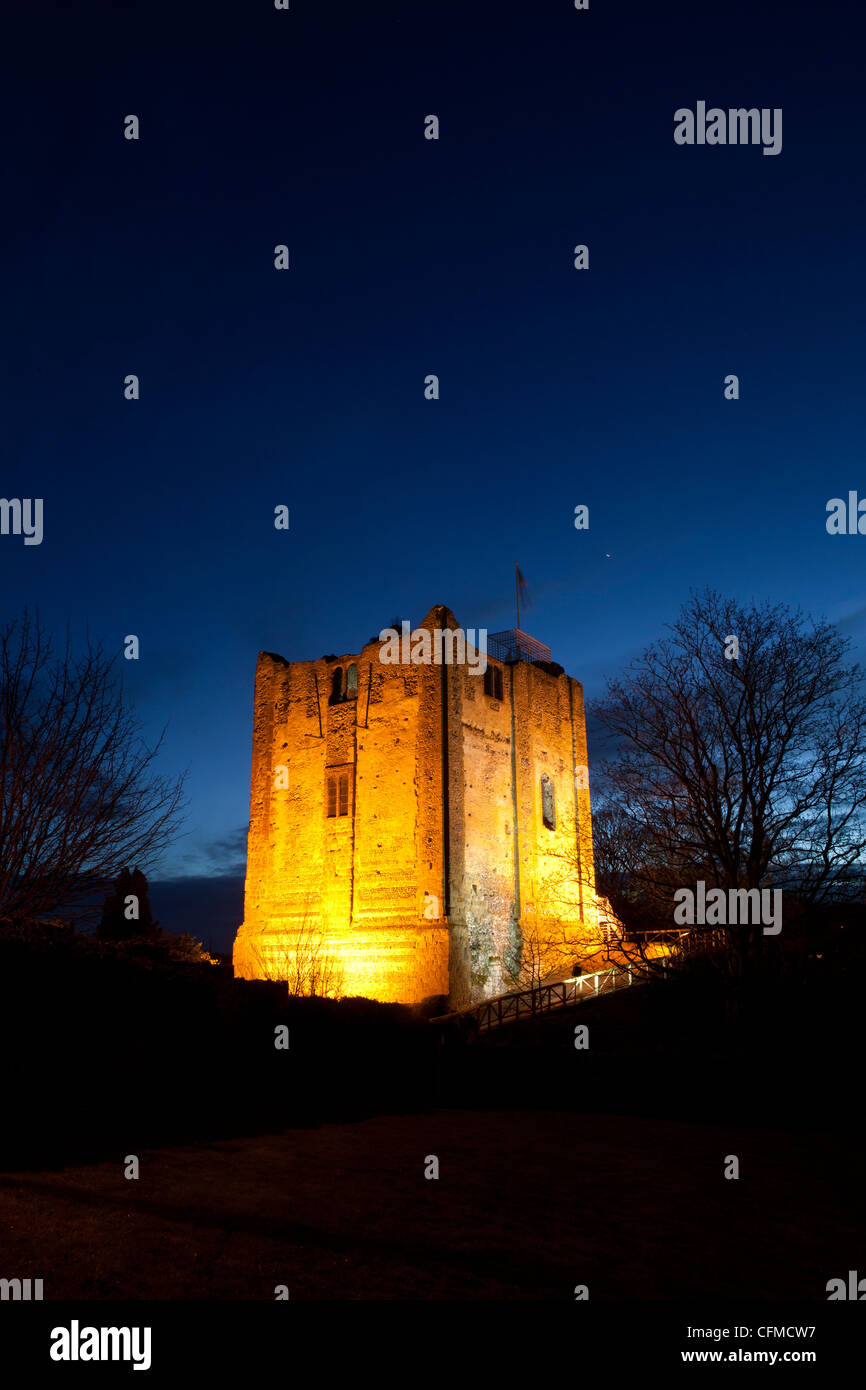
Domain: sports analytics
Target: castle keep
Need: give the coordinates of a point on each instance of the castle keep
(427, 824)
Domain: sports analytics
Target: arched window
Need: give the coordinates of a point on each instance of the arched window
(352, 682)
(337, 693)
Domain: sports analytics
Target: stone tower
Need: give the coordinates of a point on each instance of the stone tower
(423, 822)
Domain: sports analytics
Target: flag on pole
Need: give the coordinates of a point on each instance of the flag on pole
(522, 591)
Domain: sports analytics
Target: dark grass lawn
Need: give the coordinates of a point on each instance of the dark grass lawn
(527, 1205)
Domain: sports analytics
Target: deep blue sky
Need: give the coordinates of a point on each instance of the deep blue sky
(409, 257)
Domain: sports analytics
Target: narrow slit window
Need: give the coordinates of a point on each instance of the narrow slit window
(493, 681)
(548, 802)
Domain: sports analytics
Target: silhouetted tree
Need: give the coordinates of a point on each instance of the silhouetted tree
(79, 797)
(126, 913)
(746, 770)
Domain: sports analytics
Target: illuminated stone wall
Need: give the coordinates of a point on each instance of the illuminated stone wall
(511, 873)
(410, 898)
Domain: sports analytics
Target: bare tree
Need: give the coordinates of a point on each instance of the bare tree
(617, 851)
(746, 770)
(553, 937)
(302, 960)
(79, 796)
(543, 951)
(635, 904)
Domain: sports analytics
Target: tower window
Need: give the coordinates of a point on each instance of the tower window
(493, 681)
(344, 684)
(337, 799)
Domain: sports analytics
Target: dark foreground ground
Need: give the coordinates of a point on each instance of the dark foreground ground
(527, 1205)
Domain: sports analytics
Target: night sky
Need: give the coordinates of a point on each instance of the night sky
(408, 257)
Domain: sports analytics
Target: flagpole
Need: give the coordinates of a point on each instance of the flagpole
(517, 593)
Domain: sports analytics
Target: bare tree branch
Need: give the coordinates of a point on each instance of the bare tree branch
(79, 795)
(301, 959)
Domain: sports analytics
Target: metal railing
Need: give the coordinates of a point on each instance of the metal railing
(508, 1008)
(538, 999)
